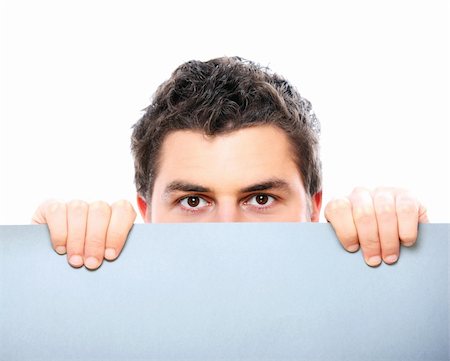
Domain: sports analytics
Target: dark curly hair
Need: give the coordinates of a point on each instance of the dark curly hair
(220, 96)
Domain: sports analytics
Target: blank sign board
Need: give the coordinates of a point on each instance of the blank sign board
(254, 291)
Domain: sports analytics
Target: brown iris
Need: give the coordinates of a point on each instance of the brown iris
(193, 201)
(262, 199)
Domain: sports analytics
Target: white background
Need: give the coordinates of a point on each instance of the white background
(75, 75)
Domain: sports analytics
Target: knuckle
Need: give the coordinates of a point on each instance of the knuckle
(359, 190)
(379, 190)
(76, 237)
(384, 211)
(385, 189)
(372, 243)
(348, 239)
(95, 242)
(78, 206)
(74, 248)
(403, 191)
(100, 208)
(408, 238)
(383, 196)
(370, 247)
(407, 207)
(423, 209)
(116, 236)
(389, 251)
(58, 238)
(124, 205)
(384, 204)
(54, 207)
(338, 205)
(423, 217)
(363, 215)
(390, 245)
(47, 210)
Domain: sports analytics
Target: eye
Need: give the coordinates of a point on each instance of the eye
(260, 201)
(193, 203)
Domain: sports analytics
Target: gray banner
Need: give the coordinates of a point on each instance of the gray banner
(259, 291)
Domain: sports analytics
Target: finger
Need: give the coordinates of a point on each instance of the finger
(408, 217)
(122, 218)
(423, 216)
(76, 231)
(53, 213)
(339, 213)
(366, 225)
(384, 204)
(99, 214)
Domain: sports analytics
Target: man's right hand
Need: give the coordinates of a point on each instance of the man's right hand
(87, 232)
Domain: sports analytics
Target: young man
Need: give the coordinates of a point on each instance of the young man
(228, 141)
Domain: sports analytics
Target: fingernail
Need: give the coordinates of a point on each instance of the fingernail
(110, 254)
(353, 248)
(391, 259)
(60, 250)
(409, 244)
(374, 261)
(76, 261)
(91, 262)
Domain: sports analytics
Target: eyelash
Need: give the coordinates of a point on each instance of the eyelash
(260, 209)
(191, 210)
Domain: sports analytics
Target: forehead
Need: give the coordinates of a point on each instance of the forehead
(227, 161)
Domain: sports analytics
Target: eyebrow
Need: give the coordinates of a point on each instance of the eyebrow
(181, 186)
(185, 187)
(272, 183)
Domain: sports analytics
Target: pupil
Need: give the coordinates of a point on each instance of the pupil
(193, 201)
(262, 199)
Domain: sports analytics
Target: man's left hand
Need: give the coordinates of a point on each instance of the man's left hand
(378, 221)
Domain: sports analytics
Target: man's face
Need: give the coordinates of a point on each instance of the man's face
(247, 175)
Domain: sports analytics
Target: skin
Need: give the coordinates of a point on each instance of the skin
(208, 173)
(247, 175)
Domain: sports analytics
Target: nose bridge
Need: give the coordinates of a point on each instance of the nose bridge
(228, 210)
